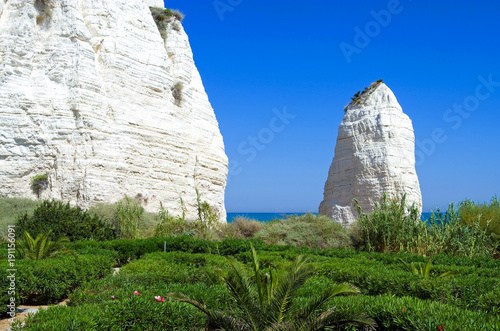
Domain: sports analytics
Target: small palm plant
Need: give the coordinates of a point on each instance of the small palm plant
(265, 300)
(41, 247)
(425, 271)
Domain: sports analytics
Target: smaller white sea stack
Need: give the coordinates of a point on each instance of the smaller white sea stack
(374, 155)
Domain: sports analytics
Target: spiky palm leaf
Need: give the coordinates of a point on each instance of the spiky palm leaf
(41, 247)
(265, 300)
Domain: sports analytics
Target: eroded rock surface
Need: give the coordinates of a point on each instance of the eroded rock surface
(374, 154)
(87, 97)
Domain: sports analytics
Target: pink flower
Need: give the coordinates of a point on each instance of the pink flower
(159, 298)
(136, 293)
(112, 297)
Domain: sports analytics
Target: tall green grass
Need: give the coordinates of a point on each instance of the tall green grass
(395, 227)
(11, 208)
(488, 215)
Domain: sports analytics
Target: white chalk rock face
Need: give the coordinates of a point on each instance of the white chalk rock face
(87, 97)
(374, 155)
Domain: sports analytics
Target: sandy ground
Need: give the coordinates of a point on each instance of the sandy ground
(23, 312)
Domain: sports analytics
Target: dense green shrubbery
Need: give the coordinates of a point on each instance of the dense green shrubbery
(50, 280)
(241, 228)
(488, 216)
(62, 220)
(471, 299)
(407, 313)
(395, 227)
(308, 230)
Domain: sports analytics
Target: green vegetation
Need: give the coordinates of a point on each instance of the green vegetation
(487, 215)
(393, 297)
(424, 270)
(62, 220)
(11, 208)
(241, 227)
(163, 17)
(381, 231)
(41, 247)
(359, 96)
(127, 217)
(39, 183)
(265, 300)
(401, 287)
(310, 230)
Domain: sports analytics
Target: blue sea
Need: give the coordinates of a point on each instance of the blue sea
(266, 217)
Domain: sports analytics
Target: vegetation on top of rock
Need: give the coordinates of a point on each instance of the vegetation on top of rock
(359, 96)
(162, 18)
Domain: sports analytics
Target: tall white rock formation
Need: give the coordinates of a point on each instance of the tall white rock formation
(374, 155)
(87, 97)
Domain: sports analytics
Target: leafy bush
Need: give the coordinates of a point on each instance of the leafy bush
(241, 228)
(41, 247)
(39, 182)
(407, 313)
(50, 280)
(64, 221)
(266, 300)
(308, 230)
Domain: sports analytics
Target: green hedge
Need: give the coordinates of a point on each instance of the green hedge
(407, 313)
(50, 280)
(134, 249)
(469, 291)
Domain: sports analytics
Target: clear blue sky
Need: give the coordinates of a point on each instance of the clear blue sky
(258, 58)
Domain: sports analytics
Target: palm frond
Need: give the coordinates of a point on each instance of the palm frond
(294, 278)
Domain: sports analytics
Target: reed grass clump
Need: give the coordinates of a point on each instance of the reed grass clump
(395, 227)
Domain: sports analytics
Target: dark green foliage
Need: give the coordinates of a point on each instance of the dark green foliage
(471, 298)
(310, 230)
(50, 280)
(407, 313)
(266, 298)
(64, 221)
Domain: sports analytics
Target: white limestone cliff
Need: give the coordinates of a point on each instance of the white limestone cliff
(87, 97)
(374, 155)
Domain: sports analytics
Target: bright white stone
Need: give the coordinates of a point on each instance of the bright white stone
(375, 154)
(85, 96)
